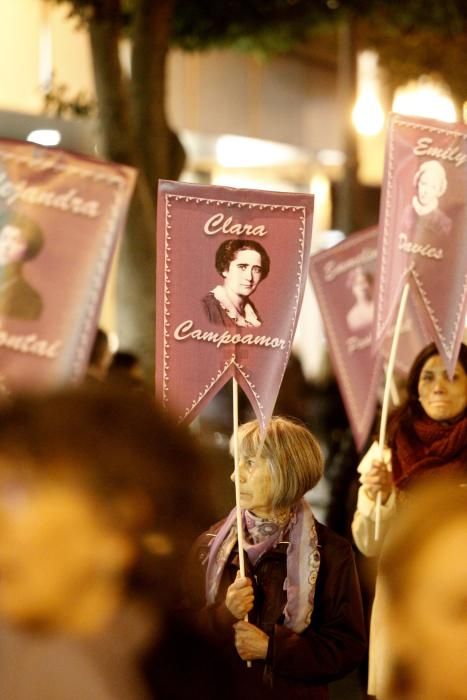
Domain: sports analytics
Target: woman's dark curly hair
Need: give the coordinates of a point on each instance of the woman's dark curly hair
(228, 250)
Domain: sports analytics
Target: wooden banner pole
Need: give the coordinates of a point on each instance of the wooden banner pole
(387, 393)
(241, 553)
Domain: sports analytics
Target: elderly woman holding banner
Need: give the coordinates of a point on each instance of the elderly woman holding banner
(300, 592)
(427, 436)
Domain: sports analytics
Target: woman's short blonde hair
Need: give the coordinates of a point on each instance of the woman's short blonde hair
(293, 454)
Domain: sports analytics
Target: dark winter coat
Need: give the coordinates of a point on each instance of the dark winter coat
(298, 666)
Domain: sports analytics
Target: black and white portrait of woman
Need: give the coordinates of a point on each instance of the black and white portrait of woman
(423, 220)
(360, 282)
(242, 265)
(21, 240)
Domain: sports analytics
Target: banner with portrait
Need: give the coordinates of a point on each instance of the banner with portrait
(231, 272)
(60, 216)
(343, 280)
(423, 224)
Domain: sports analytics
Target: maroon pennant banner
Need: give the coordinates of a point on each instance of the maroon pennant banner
(423, 223)
(343, 280)
(60, 216)
(231, 273)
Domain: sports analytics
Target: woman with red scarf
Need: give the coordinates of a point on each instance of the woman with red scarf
(428, 432)
(427, 436)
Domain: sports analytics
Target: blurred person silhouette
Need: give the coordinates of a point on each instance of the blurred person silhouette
(294, 393)
(423, 574)
(427, 435)
(99, 497)
(21, 240)
(125, 370)
(301, 594)
(99, 358)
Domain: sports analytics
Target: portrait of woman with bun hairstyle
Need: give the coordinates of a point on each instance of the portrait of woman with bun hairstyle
(242, 265)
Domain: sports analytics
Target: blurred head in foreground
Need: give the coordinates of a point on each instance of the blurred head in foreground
(424, 574)
(99, 494)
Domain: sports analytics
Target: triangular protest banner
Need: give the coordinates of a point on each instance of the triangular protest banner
(60, 218)
(423, 224)
(343, 281)
(231, 271)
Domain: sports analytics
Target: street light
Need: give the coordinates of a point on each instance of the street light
(368, 114)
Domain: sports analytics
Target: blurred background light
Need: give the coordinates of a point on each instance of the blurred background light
(114, 342)
(368, 114)
(330, 157)
(45, 137)
(229, 179)
(45, 49)
(240, 151)
(425, 98)
(320, 187)
(331, 238)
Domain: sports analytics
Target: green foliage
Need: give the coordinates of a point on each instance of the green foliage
(88, 10)
(83, 9)
(447, 18)
(420, 37)
(427, 53)
(252, 24)
(412, 38)
(201, 24)
(271, 25)
(59, 103)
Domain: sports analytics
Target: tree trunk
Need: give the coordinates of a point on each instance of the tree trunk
(123, 129)
(112, 96)
(158, 158)
(148, 86)
(346, 213)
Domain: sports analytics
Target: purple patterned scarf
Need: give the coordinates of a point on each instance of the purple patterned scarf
(262, 535)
